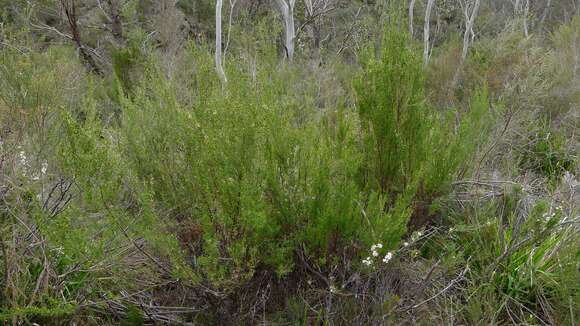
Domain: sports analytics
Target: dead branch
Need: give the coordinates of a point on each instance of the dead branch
(70, 12)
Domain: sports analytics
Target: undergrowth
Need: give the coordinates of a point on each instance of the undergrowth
(289, 194)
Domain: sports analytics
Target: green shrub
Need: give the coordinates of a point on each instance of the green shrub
(392, 110)
(409, 147)
(253, 201)
(247, 179)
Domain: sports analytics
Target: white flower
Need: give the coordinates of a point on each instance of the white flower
(388, 257)
(379, 245)
(419, 233)
(44, 167)
(58, 250)
(23, 159)
(406, 244)
(375, 253)
(332, 289)
(367, 261)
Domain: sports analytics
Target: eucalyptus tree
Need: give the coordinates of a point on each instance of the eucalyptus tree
(470, 10)
(218, 41)
(426, 31)
(287, 9)
(411, 15)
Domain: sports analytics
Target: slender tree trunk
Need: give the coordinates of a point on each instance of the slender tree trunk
(69, 7)
(469, 22)
(411, 15)
(469, 28)
(546, 10)
(218, 41)
(521, 11)
(426, 31)
(525, 17)
(230, 19)
(287, 9)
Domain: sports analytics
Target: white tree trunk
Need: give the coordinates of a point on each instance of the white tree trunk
(546, 10)
(232, 5)
(526, 12)
(287, 9)
(426, 31)
(218, 41)
(521, 11)
(411, 15)
(470, 21)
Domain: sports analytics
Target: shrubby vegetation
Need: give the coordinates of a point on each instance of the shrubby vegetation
(350, 184)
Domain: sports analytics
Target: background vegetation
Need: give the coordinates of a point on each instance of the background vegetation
(383, 166)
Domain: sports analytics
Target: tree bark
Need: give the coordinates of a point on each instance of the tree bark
(426, 31)
(525, 18)
(231, 15)
(411, 15)
(287, 9)
(218, 41)
(470, 21)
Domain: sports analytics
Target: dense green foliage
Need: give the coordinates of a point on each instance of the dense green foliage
(154, 192)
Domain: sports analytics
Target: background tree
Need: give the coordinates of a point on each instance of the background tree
(287, 10)
(218, 41)
(426, 31)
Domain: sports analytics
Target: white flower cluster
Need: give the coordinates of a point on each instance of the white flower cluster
(374, 249)
(375, 253)
(44, 167)
(367, 261)
(548, 216)
(416, 236)
(59, 250)
(23, 158)
(25, 165)
(388, 257)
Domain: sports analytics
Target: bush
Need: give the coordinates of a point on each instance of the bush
(246, 184)
(410, 148)
(247, 181)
